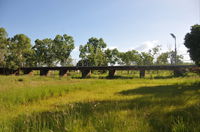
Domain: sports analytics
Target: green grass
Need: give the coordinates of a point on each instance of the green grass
(54, 104)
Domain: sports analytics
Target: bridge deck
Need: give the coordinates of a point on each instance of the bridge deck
(153, 67)
(86, 69)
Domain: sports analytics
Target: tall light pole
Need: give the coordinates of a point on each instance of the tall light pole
(175, 46)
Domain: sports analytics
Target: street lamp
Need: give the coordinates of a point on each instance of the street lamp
(175, 46)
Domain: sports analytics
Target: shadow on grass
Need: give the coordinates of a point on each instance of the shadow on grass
(104, 115)
(105, 77)
(163, 77)
(122, 77)
(163, 90)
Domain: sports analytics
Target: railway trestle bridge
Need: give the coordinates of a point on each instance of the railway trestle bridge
(86, 70)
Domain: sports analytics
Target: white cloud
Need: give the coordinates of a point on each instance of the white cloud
(145, 46)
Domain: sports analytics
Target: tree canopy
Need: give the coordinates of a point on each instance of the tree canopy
(3, 46)
(18, 48)
(17, 52)
(93, 52)
(192, 42)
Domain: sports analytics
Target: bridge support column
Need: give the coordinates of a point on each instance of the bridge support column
(142, 73)
(27, 72)
(179, 72)
(17, 72)
(85, 73)
(44, 72)
(111, 73)
(62, 73)
(1, 72)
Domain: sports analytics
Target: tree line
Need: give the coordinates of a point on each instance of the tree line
(17, 51)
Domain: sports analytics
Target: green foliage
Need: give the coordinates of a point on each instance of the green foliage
(130, 58)
(163, 58)
(179, 58)
(18, 48)
(93, 52)
(18, 52)
(192, 42)
(50, 52)
(169, 58)
(112, 56)
(3, 46)
(44, 52)
(147, 58)
(134, 57)
(62, 47)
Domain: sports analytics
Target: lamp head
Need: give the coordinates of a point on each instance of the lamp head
(173, 35)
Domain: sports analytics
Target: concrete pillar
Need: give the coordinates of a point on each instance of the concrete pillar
(2, 71)
(179, 72)
(111, 73)
(85, 73)
(142, 73)
(16, 72)
(27, 72)
(62, 73)
(7, 71)
(44, 72)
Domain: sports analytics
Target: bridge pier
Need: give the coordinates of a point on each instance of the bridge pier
(27, 71)
(12, 72)
(17, 72)
(2, 72)
(62, 73)
(44, 72)
(111, 73)
(85, 73)
(142, 73)
(179, 72)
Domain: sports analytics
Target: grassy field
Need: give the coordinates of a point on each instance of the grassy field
(54, 104)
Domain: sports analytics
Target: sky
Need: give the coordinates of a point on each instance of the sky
(123, 24)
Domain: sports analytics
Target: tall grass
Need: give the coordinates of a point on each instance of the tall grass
(56, 104)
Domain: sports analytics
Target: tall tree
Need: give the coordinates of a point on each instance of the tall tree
(112, 56)
(62, 47)
(155, 51)
(44, 52)
(192, 42)
(132, 57)
(163, 58)
(147, 58)
(178, 59)
(93, 52)
(3, 46)
(19, 46)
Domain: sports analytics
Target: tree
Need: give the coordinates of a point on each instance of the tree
(19, 46)
(154, 51)
(69, 61)
(192, 42)
(3, 46)
(163, 58)
(130, 58)
(112, 56)
(147, 58)
(62, 47)
(93, 52)
(178, 59)
(30, 59)
(44, 52)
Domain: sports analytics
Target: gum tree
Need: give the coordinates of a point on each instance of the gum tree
(192, 42)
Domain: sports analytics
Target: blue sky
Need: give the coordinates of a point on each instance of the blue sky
(124, 24)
